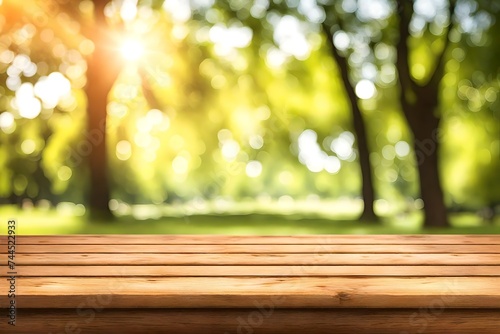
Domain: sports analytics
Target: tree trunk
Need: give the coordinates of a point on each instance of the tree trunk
(426, 147)
(42, 181)
(420, 105)
(99, 191)
(367, 189)
(103, 68)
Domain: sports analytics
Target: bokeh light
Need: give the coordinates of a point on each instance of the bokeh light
(132, 49)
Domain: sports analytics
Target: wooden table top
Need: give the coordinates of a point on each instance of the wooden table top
(213, 271)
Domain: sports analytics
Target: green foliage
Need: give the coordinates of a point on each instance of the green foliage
(210, 116)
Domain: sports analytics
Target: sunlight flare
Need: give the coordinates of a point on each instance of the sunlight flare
(132, 49)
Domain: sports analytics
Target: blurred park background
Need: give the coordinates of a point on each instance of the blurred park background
(262, 117)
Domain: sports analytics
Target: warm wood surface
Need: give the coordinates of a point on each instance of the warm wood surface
(259, 259)
(243, 292)
(314, 282)
(252, 271)
(145, 239)
(258, 321)
(259, 249)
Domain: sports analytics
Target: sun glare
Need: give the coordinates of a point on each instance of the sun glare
(132, 49)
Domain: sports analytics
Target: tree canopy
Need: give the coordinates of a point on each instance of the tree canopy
(207, 100)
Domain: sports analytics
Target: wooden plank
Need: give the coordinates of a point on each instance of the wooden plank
(231, 239)
(251, 271)
(244, 292)
(309, 284)
(260, 319)
(258, 259)
(259, 249)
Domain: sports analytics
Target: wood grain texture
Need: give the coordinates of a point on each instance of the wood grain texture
(260, 249)
(251, 271)
(257, 259)
(257, 320)
(241, 292)
(145, 239)
(252, 284)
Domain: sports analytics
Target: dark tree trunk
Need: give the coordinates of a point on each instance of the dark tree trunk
(99, 191)
(420, 106)
(426, 141)
(367, 189)
(431, 191)
(103, 68)
(42, 181)
(43, 184)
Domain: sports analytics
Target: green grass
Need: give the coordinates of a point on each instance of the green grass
(38, 221)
